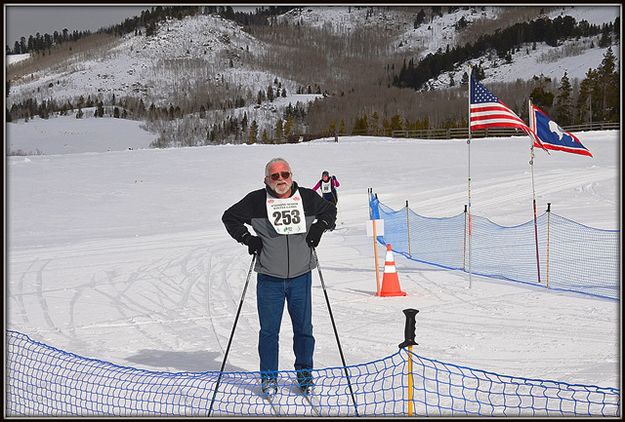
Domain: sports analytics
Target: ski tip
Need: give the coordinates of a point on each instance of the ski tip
(306, 391)
(268, 396)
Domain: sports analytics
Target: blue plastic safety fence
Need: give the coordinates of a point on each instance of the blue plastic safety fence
(45, 381)
(577, 258)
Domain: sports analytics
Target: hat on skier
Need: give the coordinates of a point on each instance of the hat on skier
(325, 173)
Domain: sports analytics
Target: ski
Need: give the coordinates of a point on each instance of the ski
(313, 406)
(269, 395)
(269, 399)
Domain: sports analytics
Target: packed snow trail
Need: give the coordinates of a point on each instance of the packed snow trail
(144, 274)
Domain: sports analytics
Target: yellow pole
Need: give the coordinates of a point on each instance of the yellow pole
(375, 252)
(409, 335)
(410, 382)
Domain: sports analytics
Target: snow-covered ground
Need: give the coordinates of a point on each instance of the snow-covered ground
(68, 135)
(528, 63)
(122, 255)
(15, 58)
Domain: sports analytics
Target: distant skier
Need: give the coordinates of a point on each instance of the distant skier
(288, 220)
(328, 185)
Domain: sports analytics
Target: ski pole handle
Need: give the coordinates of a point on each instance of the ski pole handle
(410, 328)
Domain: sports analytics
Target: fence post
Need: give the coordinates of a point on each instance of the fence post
(409, 341)
(464, 249)
(374, 216)
(408, 225)
(548, 223)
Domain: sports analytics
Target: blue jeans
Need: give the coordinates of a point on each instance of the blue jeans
(270, 295)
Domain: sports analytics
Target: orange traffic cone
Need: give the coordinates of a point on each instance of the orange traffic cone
(390, 280)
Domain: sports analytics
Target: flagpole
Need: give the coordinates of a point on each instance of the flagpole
(469, 176)
(532, 127)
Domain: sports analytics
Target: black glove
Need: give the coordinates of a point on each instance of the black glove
(314, 233)
(254, 244)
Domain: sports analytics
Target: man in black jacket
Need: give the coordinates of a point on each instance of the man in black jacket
(288, 221)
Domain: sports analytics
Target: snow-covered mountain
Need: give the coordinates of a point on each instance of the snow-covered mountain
(191, 59)
(192, 50)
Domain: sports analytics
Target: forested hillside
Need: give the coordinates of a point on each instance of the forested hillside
(202, 75)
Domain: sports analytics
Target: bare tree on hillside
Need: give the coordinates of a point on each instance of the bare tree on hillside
(90, 46)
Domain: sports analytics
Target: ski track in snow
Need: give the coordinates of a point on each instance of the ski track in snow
(167, 300)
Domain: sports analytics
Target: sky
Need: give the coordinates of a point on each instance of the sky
(26, 20)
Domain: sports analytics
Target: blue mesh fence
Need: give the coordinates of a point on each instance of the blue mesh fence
(45, 381)
(572, 256)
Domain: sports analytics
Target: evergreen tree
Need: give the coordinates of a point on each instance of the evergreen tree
(540, 95)
(419, 19)
(265, 137)
(478, 72)
(361, 126)
(396, 122)
(465, 79)
(288, 126)
(608, 80)
(99, 112)
(251, 138)
(332, 127)
(279, 134)
(375, 122)
(606, 38)
(563, 109)
(584, 98)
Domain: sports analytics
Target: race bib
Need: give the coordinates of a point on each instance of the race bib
(326, 187)
(286, 215)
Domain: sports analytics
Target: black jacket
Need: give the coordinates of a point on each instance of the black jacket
(282, 256)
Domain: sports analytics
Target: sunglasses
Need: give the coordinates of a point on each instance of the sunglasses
(276, 176)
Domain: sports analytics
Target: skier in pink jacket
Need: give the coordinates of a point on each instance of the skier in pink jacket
(328, 185)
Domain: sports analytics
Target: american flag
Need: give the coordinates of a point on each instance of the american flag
(489, 111)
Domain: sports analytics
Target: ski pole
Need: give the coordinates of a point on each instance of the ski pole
(336, 334)
(236, 318)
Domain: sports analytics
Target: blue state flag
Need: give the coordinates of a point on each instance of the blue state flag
(553, 136)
